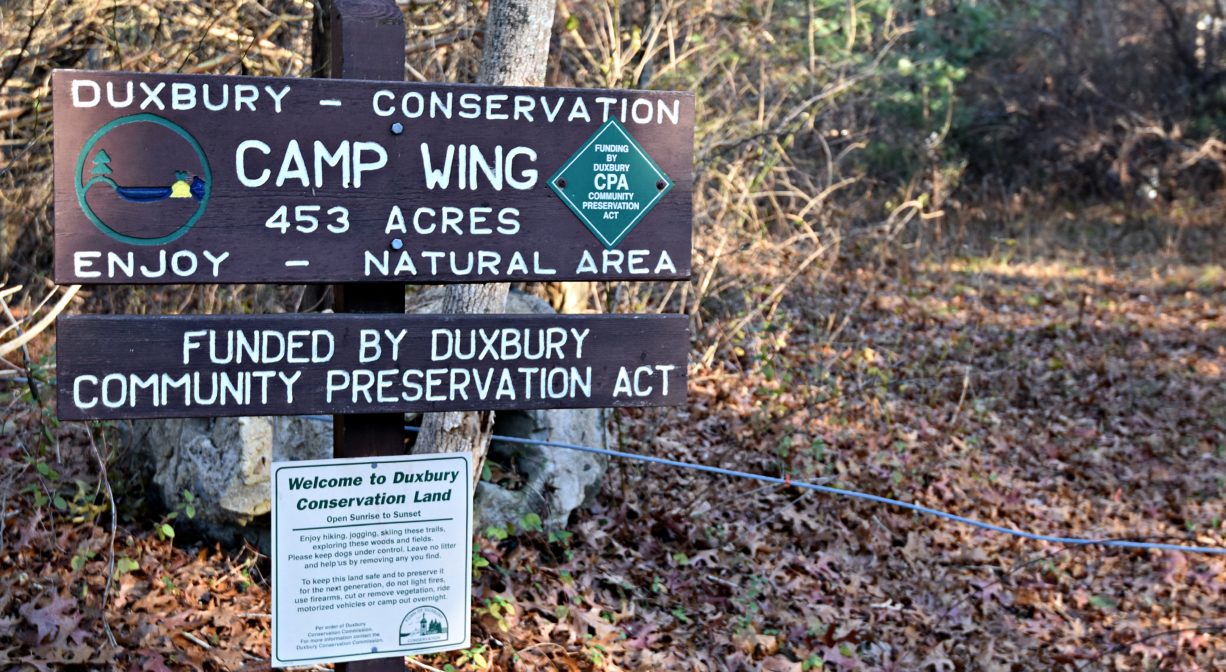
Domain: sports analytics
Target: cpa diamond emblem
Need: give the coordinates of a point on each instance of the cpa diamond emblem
(610, 184)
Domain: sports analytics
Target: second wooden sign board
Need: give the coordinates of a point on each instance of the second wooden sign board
(113, 367)
(215, 179)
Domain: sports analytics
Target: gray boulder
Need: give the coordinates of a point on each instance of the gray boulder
(550, 482)
(225, 463)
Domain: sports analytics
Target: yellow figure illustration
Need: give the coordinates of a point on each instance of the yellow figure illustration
(181, 188)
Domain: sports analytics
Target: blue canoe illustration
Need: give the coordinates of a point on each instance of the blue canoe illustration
(180, 189)
(143, 194)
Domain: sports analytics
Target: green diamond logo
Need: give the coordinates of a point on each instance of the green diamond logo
(610, 184)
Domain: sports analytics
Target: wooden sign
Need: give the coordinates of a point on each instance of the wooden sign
(113, 367)
(215, 179)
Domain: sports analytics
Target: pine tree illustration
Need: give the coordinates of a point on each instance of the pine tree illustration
(102, 162)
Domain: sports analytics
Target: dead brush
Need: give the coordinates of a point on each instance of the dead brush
(775, 153)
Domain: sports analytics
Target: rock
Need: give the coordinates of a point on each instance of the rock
(550, 482)
(225, 462)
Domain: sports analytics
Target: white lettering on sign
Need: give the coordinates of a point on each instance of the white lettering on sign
(267, 346)
(216, 388)
(635, 262)
(505, 344)
(152, 96)
(182, 264)
(370, 344)
(522, 107)
(524, 383)
(641, 381)
(471, 162)
(353, 158)
(427, 220)
(612, 181)
(473, 263)
(248, 368)
(180, 96)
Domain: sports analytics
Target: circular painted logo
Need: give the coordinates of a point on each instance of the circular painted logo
(143, 180)
(423, 624)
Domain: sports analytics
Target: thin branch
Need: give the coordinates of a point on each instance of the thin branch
(412, 660)
(25, 354)
(25, 46)
(110, 563)
(6, 348)
(709, 355)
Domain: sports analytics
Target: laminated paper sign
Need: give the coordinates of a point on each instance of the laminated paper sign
(372, 557)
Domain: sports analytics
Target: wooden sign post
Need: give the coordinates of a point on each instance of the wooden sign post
(366, 182)
(367, 41)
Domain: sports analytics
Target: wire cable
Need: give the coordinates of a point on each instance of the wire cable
(841, 492)
(918, 508)
(854, 494)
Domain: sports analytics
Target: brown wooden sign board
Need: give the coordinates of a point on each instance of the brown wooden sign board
(216, 179)
(113, 367)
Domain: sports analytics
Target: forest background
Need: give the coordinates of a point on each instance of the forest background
(967, 254)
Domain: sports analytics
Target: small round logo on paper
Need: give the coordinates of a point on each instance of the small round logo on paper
(423, 625)
(143, 180)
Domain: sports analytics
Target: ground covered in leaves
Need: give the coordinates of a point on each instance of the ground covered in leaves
(1056, 396)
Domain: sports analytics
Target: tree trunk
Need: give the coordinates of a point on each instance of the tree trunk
(516, 51)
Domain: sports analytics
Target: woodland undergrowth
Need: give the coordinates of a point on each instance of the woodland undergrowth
(962, 254)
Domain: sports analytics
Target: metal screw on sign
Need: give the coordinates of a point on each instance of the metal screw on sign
(397, 128)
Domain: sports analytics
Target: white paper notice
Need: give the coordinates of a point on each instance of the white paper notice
(372, 557)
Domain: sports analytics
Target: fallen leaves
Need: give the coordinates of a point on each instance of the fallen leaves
(958, 405)
(55, 572)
